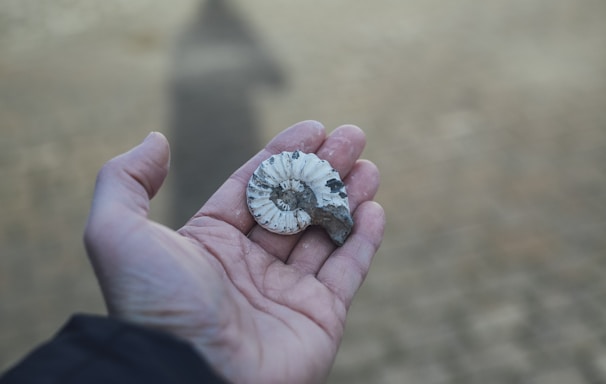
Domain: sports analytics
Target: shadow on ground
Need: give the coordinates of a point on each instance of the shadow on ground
(219, 62)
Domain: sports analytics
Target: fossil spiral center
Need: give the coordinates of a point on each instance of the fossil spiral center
(293, 194)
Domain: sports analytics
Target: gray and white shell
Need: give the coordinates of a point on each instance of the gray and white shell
(292, 190)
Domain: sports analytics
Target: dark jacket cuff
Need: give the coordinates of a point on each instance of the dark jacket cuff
(95, 349)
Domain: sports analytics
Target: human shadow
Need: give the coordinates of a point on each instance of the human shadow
(218, 64)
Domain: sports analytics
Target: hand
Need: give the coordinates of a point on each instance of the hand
(260, 307)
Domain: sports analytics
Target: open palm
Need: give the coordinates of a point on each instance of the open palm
(259, 307)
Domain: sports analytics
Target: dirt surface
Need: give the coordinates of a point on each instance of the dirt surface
(486, 119)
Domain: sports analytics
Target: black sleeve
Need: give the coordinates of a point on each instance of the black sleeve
(94, 349)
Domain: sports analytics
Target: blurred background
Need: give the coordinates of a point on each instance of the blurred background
(487, 120)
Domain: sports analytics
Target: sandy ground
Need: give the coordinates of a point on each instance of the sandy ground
(487, 120)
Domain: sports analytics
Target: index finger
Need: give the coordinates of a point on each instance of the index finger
(228, 203)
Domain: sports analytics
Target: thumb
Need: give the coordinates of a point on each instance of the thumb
(126, 184)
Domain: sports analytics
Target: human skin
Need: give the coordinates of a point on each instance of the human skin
(258, 306)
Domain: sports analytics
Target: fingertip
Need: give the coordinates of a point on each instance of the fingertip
(370, 222)
(316, 133)
(154, 135)
(373, 210)
(369, 170)
(351, 130)
(135, 176)
(348, 136)
(305, 136)
(159, 147)
(377, 211)
(362, 183)
(312, 125)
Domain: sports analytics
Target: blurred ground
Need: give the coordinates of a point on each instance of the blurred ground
(487, 120)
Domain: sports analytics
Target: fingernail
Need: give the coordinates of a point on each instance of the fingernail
(148, 137)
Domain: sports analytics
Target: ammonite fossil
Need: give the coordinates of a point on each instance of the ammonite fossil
(292, 190)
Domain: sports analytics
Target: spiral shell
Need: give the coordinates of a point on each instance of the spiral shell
(292, 190)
